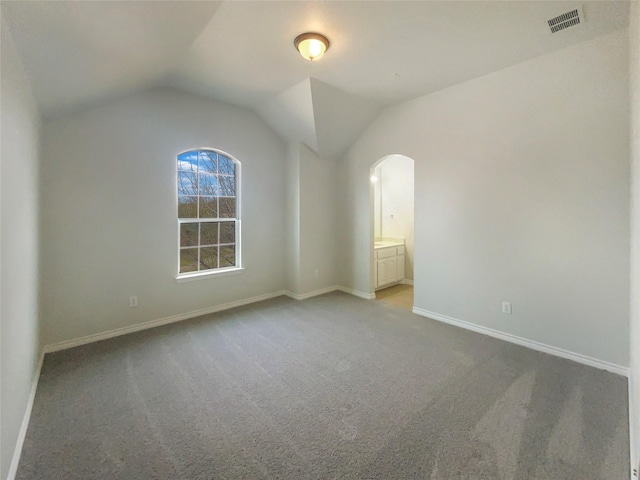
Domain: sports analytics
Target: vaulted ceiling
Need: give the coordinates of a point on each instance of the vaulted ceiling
(79, 54)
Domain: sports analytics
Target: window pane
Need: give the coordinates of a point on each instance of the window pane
(227, 232)
(187, 183)
(208, 258)
(226, 165)
(227, 186)
(188, 234)
(209, 233)
(227, 256)
(208, 184)
(227, 207)
(208, 207)
(208, 162)
(188, 260)
(207, 192)
(187, 207)
(188, 161)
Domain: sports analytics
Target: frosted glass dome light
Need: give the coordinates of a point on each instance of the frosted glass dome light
(311, 45)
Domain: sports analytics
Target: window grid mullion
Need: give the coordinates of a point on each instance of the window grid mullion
(207, 220)
(199, 225)
(219, 244)
(218, 220)
(198, 209)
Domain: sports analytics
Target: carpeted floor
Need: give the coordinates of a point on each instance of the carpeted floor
(333, 387)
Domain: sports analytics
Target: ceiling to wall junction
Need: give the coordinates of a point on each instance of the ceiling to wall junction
(79, 54)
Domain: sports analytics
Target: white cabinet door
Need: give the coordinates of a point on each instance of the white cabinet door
(375, 273)
(389, 266)
(387, 271)
(392, 267)
(400, 270)
(382, 272)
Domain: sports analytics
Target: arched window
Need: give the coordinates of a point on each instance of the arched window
(208, 212)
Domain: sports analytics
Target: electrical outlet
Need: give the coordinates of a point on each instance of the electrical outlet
(316, 273)
(506, 308)
(133, 301)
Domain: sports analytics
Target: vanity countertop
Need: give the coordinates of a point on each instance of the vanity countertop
(389, 243)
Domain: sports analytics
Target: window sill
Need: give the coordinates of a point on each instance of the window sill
(205, 275)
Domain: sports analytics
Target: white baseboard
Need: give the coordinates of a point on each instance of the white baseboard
(315, 293)
(404, 281)
(333, 288)
(76, 342)
(632, 437)
(618, 369)
(541, 347)
(15, 460)
(357, 293)
(156, 323)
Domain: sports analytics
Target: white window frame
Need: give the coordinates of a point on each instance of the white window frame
(201, 274)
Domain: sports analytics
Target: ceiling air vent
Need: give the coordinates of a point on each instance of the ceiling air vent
(566, 20)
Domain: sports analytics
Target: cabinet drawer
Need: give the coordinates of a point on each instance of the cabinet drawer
(400, 250)
(386, 252)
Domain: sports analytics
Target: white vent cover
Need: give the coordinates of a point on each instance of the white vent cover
(566, 20)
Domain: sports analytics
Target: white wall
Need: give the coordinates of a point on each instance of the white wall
(19, 153)
(522, 194)
(319, 187)
(339, 118)
(109, 211)
(377, 204)
(634, 381)
(292, 221)
(395, 184)
(312, 202)
(291, 114)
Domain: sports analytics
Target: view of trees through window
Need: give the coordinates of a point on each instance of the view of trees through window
(207, 211)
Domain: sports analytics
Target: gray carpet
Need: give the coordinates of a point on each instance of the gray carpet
(331, 387)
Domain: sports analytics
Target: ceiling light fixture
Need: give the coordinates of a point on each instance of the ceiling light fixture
(311, 45)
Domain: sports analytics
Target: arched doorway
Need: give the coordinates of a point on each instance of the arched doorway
(392, 246)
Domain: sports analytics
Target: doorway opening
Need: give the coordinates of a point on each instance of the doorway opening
(392, 246)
